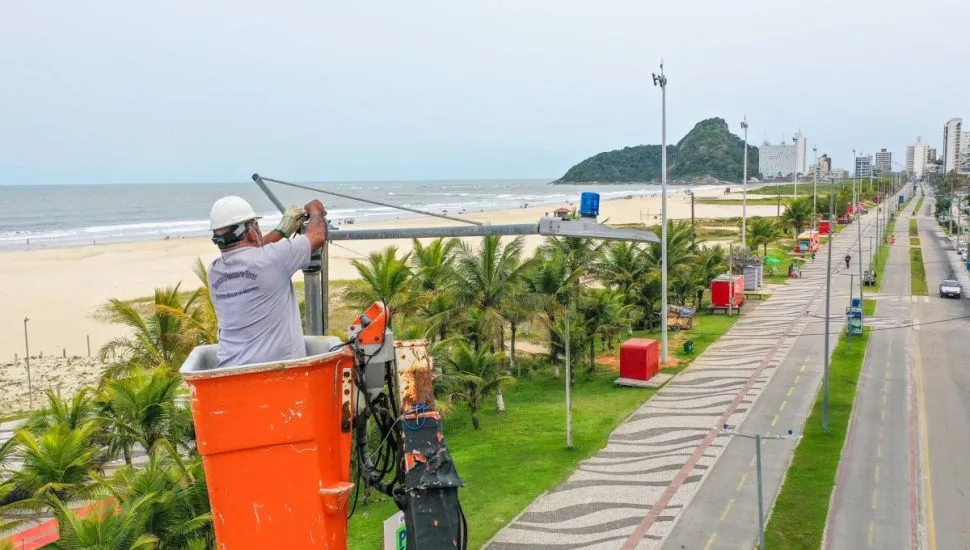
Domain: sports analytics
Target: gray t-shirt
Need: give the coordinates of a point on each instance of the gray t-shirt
(252, 292)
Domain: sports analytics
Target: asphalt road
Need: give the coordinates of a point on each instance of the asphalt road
(943, 371)
(724, 513)
(874, 501)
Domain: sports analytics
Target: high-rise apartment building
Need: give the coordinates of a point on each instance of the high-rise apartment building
(952, 133)
(863, 166)
(917, 158)
(783, 160)
(824, 166)
(964, 162)
(931, 155)
(884, 163)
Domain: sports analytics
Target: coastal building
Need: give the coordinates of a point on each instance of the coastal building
(839, 173)
(952, 133)
(931, 155)
(783, 160)
(824, 165)
(918, 156)
(884, 163)
(965, 153)
(863, 166)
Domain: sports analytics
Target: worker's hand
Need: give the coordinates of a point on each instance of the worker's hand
(291, 222)
(315, 207)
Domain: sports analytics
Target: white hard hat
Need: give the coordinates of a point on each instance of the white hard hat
(229, 211)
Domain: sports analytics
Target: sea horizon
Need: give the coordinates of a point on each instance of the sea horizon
(61, 215)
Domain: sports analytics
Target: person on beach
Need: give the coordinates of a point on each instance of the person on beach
(251, 285)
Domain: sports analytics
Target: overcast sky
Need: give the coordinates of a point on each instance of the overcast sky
(121, 91)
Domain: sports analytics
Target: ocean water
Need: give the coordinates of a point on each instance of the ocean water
(71, 215)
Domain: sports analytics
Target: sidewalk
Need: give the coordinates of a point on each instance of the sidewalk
(633, 492)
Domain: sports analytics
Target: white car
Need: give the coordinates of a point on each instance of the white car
(950, 289)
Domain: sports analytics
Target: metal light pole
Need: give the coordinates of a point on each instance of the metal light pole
(569, 401)
(794, 193)
(730, 430)
(859, 232)
(815, 188)
(30, 390)
(828, 307)
(744, 187)
(661, 80)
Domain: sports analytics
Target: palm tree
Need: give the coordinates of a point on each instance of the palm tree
(488, 279)
(57, 462)
(197, 316)
(109, 527)
(142, 409)
(681, 243)
(178, 511)
(621, 266)
(73, 414)
(601, 312)
(157, 340)
(385, 277)
(685, 284)
(708, 262)
(549, 280)
(471, 375)
(434, 274)
(797, 214)
(762, 232)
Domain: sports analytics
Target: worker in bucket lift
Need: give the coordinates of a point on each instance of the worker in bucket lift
(251, 285)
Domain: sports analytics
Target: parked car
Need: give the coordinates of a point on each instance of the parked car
(950, 288)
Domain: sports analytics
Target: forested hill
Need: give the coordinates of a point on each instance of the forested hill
(708, 151)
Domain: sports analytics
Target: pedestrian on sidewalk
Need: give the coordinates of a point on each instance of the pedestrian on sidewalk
(848, 259)
(813, 257)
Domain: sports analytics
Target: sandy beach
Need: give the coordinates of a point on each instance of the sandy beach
(59, 290)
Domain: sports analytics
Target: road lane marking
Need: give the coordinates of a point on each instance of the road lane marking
(879, 450)
(916, 324)
(710, 541)
(884, 397)
(741, 483)
(797, 378)
(875, 474)
(914, 299)
(885, 385)
(925, 451)
(882, 415)
(774, 420)
(875, 498)
(753, 459)
(926, 299)
(790, 391)
(872, 527)
(727, 509)
(783, 403)
(802, 369)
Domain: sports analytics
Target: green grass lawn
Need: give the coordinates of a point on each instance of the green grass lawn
(879, 264)
(868, 307)
(914, 241)
(759, 200)
(798, 518)
(917, 272)
(919, 204)
(515, 457)
(913, 228)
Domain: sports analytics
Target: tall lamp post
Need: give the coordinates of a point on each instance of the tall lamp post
(794, 191)
(661, 80)
(815, 188)
(744, 187)
(727, 429)
(30, 390)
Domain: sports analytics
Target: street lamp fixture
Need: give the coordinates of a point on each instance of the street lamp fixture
(744, 187)
(815, 187)
(661, 80)
(728, 429)
(30, 390)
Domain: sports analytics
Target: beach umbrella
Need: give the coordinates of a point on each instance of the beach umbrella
(772, 261)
